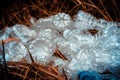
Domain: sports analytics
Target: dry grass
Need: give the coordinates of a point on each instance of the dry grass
(22, 11)
(25, 71)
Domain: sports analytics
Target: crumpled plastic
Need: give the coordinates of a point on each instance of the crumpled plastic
(83, 50)
(41, 49)
(14, 51)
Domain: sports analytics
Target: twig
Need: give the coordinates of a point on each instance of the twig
(4, 61)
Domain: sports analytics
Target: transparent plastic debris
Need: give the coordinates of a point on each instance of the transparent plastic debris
(1, 52)
(3, 34)
(23, 33)
(84, 21)
(81, 61)
(9, 31)
(32, 21)
(48, 33)
(111, 31)
(44, 23)
(60, 22)
(45, 33)
(59, 62)
(14, 51)
(67, 49)
(110, 38)
(63, 21)
(70, 35)
(83, 50)
(104, 23)
(101, 60)
(110, 42)
(115, 57)
(41, 49)
(80, 38)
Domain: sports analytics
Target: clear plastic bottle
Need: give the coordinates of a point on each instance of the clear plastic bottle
(41, 49)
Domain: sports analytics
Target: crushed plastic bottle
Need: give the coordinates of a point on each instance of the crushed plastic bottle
(41, 49)
(14, 51)
(23, 33)
(84, 21)
(62, 21)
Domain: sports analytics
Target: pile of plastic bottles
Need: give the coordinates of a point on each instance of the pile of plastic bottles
(84, 51)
